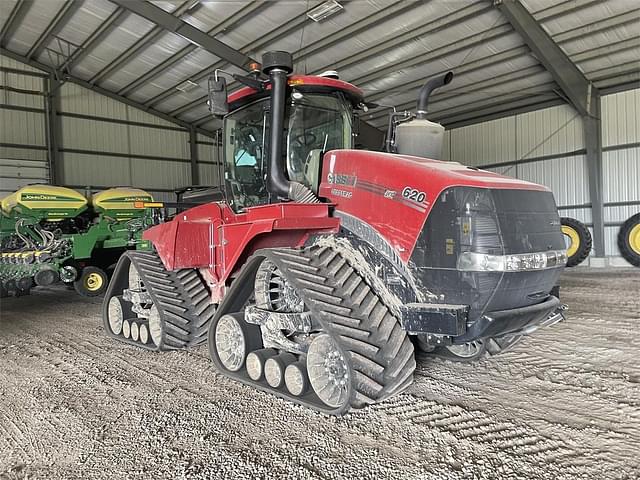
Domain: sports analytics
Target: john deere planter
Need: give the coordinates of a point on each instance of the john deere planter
(50, 234)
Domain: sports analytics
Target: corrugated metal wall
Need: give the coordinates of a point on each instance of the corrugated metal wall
(23, 141)
(106, 142)
(621, 166)
(547, 146)
(102, 142)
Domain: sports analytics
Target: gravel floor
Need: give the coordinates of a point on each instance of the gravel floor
(564, 403)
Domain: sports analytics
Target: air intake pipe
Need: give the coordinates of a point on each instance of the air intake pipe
(421, 137)
(427, 89)
(277, 65)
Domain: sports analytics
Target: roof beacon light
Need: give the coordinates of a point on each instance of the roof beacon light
(330, 74)
(324, 10)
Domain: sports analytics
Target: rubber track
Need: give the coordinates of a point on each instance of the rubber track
(382, 356)
(181, 297)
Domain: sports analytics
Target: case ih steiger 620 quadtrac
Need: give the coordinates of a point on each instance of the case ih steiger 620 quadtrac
(326, 266)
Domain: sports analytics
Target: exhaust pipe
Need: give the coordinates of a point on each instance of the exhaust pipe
(427, 89)
(277, 65)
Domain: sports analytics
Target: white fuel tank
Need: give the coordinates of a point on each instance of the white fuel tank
(421, 138)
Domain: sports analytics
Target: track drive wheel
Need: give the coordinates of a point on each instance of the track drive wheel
(577, 239)
(326, 339)
(93, 281)
(629, 240)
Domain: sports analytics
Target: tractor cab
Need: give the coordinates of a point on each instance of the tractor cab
(317, 116)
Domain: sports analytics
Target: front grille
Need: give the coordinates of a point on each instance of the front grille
(494, 222)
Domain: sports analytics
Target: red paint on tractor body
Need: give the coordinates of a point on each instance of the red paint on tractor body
(372, 187)
(214, 238)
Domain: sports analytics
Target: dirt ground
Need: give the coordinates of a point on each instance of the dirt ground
(563, 404)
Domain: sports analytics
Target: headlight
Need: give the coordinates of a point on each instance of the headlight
(523, 262)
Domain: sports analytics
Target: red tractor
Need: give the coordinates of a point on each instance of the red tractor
(325, 266)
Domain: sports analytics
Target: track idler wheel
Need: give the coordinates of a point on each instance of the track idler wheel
(329, 373)
(233, 340)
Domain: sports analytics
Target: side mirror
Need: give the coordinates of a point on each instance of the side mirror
(218, 104)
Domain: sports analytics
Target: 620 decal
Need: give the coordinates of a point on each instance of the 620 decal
(414, 195)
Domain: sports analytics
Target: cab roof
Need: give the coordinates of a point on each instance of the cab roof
(309, 83)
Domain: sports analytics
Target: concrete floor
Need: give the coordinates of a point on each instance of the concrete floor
(564, 404)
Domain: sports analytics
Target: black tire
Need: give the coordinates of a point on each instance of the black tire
(93, 281)
(629, 240)
(581, 241)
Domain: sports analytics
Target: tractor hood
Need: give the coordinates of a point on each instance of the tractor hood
(394, 194)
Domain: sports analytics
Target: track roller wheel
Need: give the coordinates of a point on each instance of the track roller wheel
(135, 331)
(256, 361)
(126, 329)
(144, 334)
(296, 378)
(274, 369)
(93, 281)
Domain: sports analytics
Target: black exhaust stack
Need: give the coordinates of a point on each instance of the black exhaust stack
(427, 89)
(277, 65)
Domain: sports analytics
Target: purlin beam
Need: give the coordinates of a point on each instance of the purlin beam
(16, 16)
(250, 9)
(287, 29)
(386, 44)
(194, 35)
(112, 22)
(60, 20)
(102, 91)
(141, 43)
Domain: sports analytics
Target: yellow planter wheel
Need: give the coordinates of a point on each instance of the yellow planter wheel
(578, 240)
(92, 282)
(629, 240)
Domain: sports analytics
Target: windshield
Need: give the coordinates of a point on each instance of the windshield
(317, 124)
(314, 124)
(246, 150)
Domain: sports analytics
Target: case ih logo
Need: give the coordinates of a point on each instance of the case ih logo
(342, 179)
